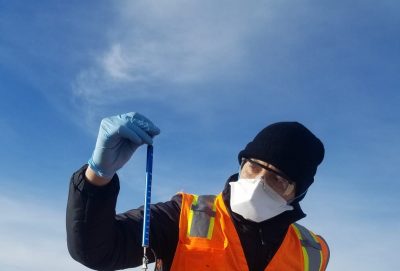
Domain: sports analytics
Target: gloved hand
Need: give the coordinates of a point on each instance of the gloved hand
(118, 138)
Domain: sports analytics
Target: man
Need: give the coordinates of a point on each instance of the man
(249, 226)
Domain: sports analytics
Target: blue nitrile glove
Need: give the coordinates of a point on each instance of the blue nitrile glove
(119, 137)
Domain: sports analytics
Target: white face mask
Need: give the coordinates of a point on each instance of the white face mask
(255, 200)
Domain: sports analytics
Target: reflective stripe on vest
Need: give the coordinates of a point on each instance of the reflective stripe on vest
(312, 250)
(202, 216)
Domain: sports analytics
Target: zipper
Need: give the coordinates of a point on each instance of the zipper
(261, 236)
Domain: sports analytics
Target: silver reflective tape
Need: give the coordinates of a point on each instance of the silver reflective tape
(202, 213)
(312, 247)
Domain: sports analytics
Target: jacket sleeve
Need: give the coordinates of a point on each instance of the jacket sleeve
(102, 240)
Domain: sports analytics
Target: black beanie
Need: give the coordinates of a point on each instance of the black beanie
(290, 147)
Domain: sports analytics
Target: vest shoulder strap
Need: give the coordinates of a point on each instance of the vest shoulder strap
(201, 217)
(311, 247)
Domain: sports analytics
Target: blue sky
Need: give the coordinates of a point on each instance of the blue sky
(210, 75)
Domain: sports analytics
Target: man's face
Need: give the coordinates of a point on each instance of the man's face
(274, 177)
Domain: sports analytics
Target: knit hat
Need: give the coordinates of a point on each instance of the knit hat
(290, 147)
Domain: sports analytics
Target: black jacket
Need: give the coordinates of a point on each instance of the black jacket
(102, 240)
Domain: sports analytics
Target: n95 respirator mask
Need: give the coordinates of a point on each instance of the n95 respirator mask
(255, 200)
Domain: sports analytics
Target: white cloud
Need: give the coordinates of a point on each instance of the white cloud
(359, 231)
(115, 65)
(171, 42)
(32, 236)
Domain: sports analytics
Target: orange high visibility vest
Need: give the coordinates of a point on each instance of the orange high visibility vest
(208, 241)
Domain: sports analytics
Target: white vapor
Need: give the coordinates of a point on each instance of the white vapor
(32, 236)
(360, 229)
(168, 42)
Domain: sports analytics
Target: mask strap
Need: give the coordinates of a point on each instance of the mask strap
(299, 196)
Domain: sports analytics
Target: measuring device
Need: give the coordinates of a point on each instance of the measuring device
(147, 200)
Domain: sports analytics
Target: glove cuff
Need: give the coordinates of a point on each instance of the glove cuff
(99, 172)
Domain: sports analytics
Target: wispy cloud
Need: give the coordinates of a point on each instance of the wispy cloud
(358, 227)
(32, 236)
(170, 42)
